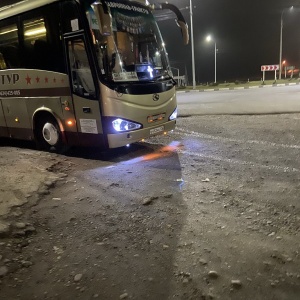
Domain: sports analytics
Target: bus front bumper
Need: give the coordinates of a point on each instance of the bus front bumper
(125, 138)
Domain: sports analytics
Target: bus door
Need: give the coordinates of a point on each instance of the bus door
(3, 127)
(84, 87)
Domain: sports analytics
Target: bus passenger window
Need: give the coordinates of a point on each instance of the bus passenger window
(10, 55)
(82, 79)
(2, 62)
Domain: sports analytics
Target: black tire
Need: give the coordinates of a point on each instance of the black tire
(48, 135)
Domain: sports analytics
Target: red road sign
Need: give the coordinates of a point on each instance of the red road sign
(269, 68)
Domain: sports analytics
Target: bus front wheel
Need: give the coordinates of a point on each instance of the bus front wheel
(49, 136)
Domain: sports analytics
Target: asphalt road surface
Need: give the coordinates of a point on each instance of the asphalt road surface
(210, 211)
(268, 100)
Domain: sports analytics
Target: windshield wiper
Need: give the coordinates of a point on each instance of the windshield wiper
(162, 77)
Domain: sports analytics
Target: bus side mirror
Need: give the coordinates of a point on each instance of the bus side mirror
(180, 20)
(104, 18)
(184, 31)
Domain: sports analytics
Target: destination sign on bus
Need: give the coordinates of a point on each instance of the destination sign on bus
(127, 7)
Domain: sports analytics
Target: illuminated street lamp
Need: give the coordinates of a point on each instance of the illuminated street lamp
(280, 46)
(284, 64)
(209, 39)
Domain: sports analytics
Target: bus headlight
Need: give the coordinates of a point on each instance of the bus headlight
(121, 125)
(174, 115)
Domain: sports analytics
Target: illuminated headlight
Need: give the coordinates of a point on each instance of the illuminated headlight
(121, 125)
(173, 115)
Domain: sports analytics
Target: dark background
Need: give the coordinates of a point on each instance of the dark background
(247, 34)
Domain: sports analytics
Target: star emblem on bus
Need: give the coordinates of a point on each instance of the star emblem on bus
(28, 79)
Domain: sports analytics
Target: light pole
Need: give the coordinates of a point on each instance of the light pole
(280, 45)
(208, 39)
(284, 63)
(192, 44)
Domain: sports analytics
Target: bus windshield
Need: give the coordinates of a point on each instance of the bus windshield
(135, 50)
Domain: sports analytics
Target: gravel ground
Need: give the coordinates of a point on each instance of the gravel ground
(210, 211)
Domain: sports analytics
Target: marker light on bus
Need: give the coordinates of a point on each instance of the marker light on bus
(121, 125)
(174, 115)
(70, 122)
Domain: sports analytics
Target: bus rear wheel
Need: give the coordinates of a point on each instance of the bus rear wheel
(49, 136)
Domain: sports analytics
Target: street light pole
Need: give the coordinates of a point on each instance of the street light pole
(215, 62)
(208, 39)
(192, 44)
(280, 45)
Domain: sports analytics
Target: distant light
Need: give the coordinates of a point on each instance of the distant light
(208, 38)
(70, 122)
(128, 145)
(157, 53)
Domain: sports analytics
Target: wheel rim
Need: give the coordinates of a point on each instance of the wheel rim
(50, 134)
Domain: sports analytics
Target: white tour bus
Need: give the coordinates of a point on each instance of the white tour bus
(88, 73)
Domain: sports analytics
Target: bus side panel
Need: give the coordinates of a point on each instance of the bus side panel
(88, 118)
(19, 113)
(3, 128)
(64, 111)
(17, 119)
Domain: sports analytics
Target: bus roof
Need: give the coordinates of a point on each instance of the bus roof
(20, 6)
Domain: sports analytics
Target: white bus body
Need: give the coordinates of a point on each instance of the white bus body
(83, 73)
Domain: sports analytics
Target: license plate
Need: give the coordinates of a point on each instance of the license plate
(156, 130)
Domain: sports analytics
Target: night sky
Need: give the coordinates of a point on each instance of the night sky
(247, 34)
